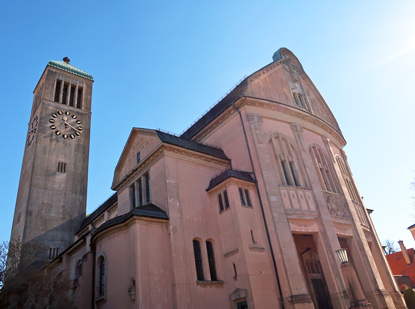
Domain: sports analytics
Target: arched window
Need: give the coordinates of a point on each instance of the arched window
(325, 170)
(101, 276)
(198, 260)
(286, 159)
(348, 180)
(211, 259)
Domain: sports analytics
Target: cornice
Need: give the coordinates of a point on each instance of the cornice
(290, 110)
(270, 105)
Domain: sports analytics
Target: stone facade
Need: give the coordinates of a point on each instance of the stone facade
(246, 209)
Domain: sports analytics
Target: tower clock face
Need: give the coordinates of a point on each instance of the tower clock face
(32, 130)
(65, 124)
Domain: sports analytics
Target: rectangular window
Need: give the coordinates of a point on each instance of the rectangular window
(225, 197)
(241, 195)
(252, 237)
(72, 96)
(61, 167)
(235, 273)
(58, 90)
(53, 253)
(138, 157)
(248, 199)
(65, 93)
(132, 196)
(140, 193)
(79, 100)
(148, 196)
(220, 202)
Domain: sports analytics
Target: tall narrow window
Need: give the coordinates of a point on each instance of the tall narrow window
(72, 96)
(133, 196)
(101, 281)
(241, 196)
(326, 174)
(140, 193)
(220, 202)
(348, 180)
(198, 260)
(58, 90)
(225, 198)
(148, 195)
(65, 93)
(248, 199)
(79, 99)
(211, 260)
(286, 161)
(235, 273)
(138, 157)
(252, 237)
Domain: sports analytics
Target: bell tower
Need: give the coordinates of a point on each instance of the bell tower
(51, 199)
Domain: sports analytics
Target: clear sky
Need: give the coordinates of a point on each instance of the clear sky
(161, 64)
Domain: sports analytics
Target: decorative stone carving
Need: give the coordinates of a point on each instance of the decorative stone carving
(255, 122)
(337, 206)
(298, 132)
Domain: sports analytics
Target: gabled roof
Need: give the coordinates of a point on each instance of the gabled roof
(67, 67)
(181, 142)
(162, 138)
(247, 176)
(97, 212)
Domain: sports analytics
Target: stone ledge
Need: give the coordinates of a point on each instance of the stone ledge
(206, 282)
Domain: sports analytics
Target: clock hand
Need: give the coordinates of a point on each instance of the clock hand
(70, 126)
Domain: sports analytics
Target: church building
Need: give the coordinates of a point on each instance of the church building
(253, 206)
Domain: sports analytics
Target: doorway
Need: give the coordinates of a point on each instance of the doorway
(312, 271)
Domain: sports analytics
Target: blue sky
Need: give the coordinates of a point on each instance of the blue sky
(161, 64)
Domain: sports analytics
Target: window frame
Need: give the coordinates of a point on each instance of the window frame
(101, 277)
(197, 254)
(325, 170)
(211, 260)
(287, 161)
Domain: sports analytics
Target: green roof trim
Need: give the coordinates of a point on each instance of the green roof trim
(69, 68)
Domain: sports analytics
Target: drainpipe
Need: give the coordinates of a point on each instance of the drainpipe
(260, 200)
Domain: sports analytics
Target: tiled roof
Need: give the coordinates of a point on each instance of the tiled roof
(97, 212)
(67, 67)
(228, 174)
(149, 211)
(218, 109)
(178, 141)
